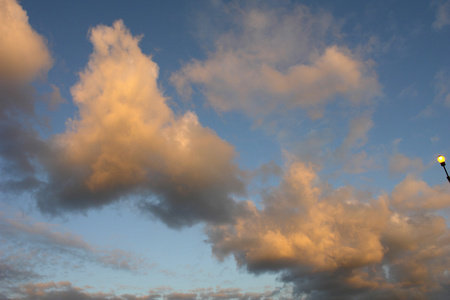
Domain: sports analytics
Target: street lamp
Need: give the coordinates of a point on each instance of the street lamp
(441, 160)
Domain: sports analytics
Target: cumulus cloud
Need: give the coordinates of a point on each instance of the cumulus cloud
(275, 59)
(343, 243)
(415, 194)
(126, 140)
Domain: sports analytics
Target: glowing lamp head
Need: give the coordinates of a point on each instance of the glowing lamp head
(441, 160)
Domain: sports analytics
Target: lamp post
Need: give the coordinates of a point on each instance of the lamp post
(441, 160)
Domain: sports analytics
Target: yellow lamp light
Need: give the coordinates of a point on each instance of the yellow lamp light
(441, 160)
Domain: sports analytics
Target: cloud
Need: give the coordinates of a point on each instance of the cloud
(24, 57)
(343, 243)
(28, 248)
(124, 141)
(276, 59)
(11, 274)
(24, 54)
(401, 164)
(442, 14)
(347, 153)
(441, 98)
(442, 87)
(181, 296)
(54, 98)
(415, 194)
(58, 290)
(357, 135)
(65, 290)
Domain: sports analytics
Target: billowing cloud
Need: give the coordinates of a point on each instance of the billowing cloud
(343, 243)
(277, 58)
(415, 194)
(126, 140)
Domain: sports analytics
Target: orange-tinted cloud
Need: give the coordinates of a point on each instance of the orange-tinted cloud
(126, 140)
(24, 57)
(344, 242)
(399, 163)
(278, 59)
(415, 194)
(23, 52)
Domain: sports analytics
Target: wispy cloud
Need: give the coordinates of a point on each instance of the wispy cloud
(442, 87)
(350, 152)
(442, 14)
(65, 290)
(441, 98)
(402, 164)
(28, 247)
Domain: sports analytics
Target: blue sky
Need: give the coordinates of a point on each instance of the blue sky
(224, 149)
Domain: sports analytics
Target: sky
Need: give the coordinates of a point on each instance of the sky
(224, 149)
